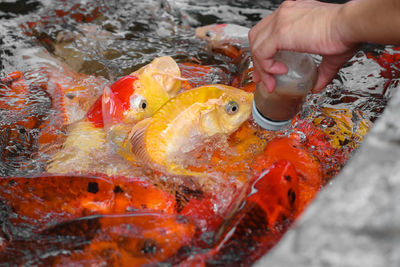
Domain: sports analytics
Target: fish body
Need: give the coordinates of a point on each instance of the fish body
(138, 96)
(185, 122)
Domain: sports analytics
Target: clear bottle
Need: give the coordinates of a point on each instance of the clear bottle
(276, 110)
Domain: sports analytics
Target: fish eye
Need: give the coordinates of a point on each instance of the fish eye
(138, 102)
(143, 104)
(209, 34)
(232, 107)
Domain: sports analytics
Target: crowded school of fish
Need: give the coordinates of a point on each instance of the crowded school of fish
(163, 167)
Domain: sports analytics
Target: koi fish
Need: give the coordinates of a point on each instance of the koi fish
(25, 99)
(219, 34)
(230, 40)
(389, 61)
(32, 199)
(185, 122)
(138, 95)
(128, 100)
(136, 238)
(331, 136)
(257, 221)
(262, 218)
(307, 166)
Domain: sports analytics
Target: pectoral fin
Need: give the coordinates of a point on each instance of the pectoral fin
(135, 143)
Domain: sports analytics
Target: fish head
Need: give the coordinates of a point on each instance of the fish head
(211, 33)
(216, 35)
(140, 94)
(163, 72)
(157, 83)
(228, 111)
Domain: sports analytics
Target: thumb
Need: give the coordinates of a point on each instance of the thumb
(329, 67)
(326, 71)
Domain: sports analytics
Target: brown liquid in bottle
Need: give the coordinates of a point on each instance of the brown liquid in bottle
(289, 95)
(278, 107)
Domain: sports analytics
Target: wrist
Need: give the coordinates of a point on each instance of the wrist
(375, 21)
(347, 24)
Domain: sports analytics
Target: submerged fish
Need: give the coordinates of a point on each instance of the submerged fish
(230, 40)
(185, 122)
(218, 34)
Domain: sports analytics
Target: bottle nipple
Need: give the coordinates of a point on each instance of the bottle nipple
(274, 111)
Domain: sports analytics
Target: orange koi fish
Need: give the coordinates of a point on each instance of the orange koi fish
(390, 62)
(266, 213)
(26, 100)
(13, 86)
(132, 239)
(185, 122)
(306, 165)
(331, 136)
(44, 200)
(257, 222)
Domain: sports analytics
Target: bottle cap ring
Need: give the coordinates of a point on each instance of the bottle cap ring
(266, 123)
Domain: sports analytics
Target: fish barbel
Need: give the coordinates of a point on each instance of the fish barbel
(185, 122)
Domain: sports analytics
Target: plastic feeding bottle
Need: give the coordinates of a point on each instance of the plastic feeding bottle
(276, 110)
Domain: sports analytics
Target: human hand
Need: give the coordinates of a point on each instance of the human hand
(304, 26)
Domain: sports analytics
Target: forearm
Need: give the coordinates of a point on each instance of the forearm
(376, 21)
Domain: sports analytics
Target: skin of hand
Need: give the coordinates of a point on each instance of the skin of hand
(304, 26)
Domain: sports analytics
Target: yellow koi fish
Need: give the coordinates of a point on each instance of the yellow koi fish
(185, 122)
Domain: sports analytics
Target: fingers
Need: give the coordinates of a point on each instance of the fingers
(278, 68)
(326, 72)
(269, 82)
(265, 68)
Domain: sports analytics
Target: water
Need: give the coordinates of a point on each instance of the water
(101, 41)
